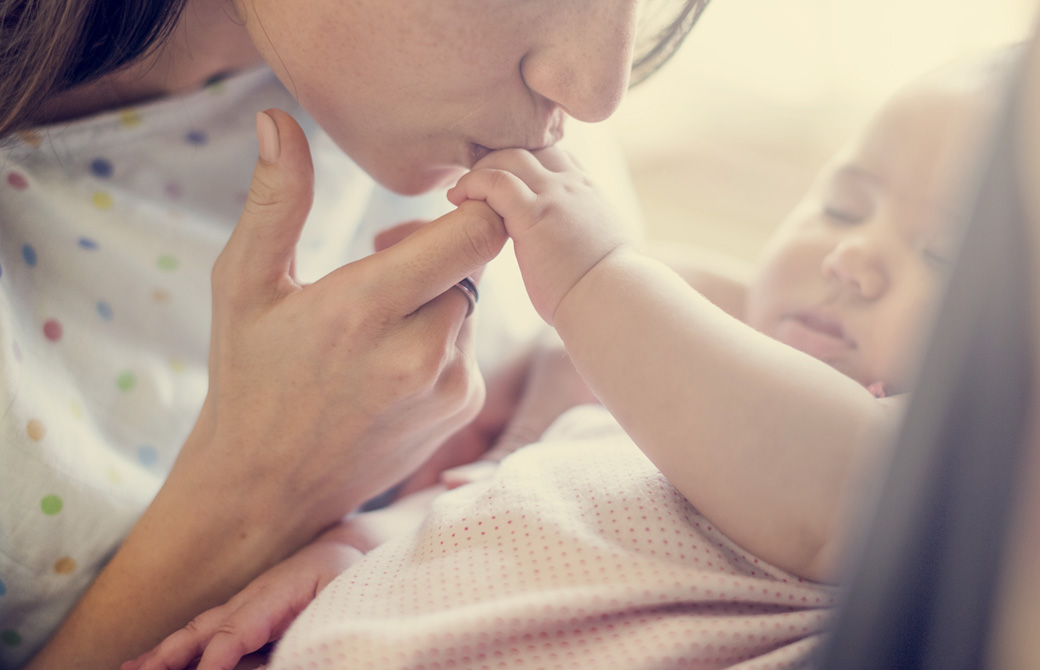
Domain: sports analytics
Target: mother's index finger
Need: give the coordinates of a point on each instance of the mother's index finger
(428, 262)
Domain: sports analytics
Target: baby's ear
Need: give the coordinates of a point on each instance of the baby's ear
(391, 236)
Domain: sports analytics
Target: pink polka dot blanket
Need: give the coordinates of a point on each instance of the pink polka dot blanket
(577, 554)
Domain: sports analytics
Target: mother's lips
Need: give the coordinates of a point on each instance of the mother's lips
(476, 152)
(550, 137)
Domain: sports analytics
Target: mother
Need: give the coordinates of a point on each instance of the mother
(127, 133)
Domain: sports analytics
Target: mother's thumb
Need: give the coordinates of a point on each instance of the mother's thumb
(264, 241)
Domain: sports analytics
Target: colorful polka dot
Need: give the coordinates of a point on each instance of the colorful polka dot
(168, 262)
(76, 409)
(102, 200)
(104, 310)
(126, 381)
(115, 476)
(160, 295)
(147, 455)
(17, 181)
(101, 167)
(87, 243)
(52, 330)
(10, 638)
(65, 565)
(196, 137)
(3, 588)
(174, 190)
(29, 255)
(177, 365)
(216, 83)
(130, 118)
(36, 430)
(51, 505)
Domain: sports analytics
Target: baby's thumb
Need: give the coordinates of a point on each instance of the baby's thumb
(261, 249)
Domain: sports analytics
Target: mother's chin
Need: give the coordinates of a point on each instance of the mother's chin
(415, 180)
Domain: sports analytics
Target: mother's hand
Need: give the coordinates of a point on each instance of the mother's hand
(320, 396)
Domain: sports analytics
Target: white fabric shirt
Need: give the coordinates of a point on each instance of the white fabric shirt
(109, 227)
(578, 553)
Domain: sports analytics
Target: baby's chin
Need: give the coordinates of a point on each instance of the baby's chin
(880, 384)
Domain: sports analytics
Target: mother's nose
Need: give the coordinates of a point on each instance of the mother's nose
(584, 61)
(857, 263)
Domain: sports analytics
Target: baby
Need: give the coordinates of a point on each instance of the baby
(698, 522)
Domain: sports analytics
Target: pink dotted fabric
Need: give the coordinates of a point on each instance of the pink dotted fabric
(578, 554)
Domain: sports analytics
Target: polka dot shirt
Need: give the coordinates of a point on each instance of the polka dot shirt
(577, 554)
(109, 227)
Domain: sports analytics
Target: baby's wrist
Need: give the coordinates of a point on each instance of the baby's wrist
(573, 305)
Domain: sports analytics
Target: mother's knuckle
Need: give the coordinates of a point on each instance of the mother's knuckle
(418, 369)
(459, 385)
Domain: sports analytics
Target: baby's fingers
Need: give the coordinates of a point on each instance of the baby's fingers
(503, 191)
(249, 629)
(183, 646)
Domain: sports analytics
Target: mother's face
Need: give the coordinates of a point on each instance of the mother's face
(417, 90)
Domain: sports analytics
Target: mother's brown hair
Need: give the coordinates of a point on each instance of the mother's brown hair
(49, 46)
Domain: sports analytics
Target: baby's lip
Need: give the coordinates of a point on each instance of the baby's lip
(816, 333)
(824, 324)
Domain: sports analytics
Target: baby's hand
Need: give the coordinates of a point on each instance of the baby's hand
(560, 224)
(261, 613)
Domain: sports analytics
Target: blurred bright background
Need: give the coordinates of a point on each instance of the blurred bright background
(727, 136)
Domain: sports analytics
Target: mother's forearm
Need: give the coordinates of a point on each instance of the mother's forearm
(191, 550)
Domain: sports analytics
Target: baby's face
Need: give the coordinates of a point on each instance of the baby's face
(417, 91)
(852, 274)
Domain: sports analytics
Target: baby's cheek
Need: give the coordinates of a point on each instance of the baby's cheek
(899, 354)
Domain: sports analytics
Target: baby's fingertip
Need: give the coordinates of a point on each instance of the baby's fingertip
(454, 197)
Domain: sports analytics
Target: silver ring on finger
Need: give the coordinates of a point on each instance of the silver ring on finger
(468, 289)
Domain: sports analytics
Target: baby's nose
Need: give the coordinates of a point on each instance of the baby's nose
(857, 263)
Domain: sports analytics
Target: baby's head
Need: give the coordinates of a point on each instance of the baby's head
(852, 274)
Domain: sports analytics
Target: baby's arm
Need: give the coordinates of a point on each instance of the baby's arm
(769, 443)
(722, 279)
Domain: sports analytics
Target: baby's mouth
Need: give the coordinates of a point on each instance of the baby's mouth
(816, 334)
